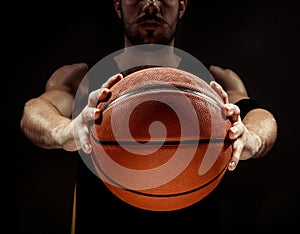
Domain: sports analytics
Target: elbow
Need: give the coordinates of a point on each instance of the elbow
(27, 119)
(24, 117)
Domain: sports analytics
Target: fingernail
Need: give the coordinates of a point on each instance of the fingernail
(234, 130)
(232, 164)
(93, 113)
(86, 147)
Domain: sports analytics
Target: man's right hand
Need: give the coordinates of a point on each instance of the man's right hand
(90, 112)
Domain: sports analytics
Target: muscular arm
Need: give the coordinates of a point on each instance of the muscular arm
(263, 124)
(42, 120)
(256, 133)
(46, 119)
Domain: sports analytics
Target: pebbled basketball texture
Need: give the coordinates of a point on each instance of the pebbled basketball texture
(161, 141)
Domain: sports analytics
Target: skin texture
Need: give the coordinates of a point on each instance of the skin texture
(47, 119)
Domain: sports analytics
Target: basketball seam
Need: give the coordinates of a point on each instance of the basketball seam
(164, 195)
(187, 142)
(190, 91)
(173, 88)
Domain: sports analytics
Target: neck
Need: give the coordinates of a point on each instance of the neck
(127, 43)
(147, 54)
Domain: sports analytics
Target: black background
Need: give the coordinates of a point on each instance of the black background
(257, 39)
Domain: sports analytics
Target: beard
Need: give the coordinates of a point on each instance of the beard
(163, 36)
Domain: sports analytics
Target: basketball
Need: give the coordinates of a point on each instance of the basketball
(161, 141)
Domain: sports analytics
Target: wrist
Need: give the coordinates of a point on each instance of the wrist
(257, 146)
(63, 135)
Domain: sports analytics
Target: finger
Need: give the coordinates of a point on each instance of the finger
(236, 130)
(90, 113)
(218, 88)
(87, 148)
(232, 112)
(82, 134)
(85, 141)
(97, 95)
(237, 148)
(112, 81)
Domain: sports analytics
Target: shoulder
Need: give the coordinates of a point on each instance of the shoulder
(67, 77)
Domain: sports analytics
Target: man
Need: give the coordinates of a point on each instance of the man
(48, 122)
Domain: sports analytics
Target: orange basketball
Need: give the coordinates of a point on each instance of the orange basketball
(161, 142)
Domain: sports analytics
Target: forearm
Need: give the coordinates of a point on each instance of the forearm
(45, 126)
(262, 123)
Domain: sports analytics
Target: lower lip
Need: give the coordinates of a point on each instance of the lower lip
(150, 25)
